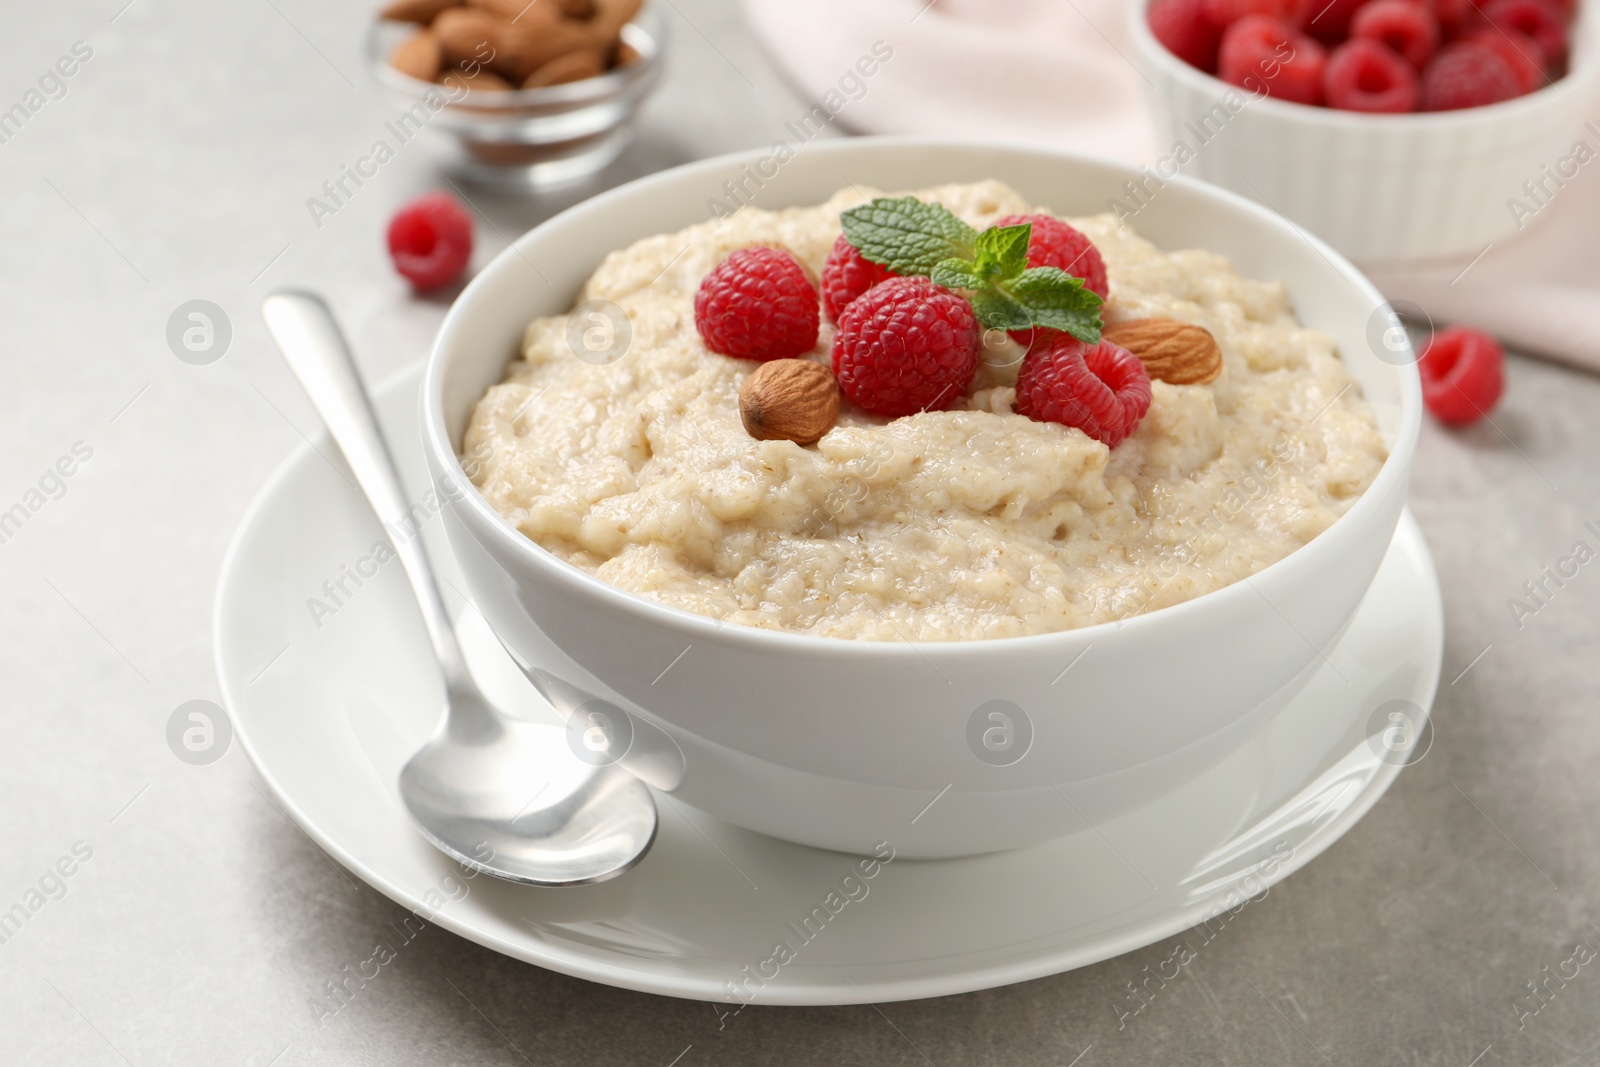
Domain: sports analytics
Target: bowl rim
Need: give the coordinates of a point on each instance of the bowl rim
(1583, 72)
(1391, 478)
(646, 23)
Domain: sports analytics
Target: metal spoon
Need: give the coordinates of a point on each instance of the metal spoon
(502, 796)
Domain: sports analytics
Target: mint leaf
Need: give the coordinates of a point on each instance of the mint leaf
(1056, 300)
(957, 274)
(998, 310)
(1003, 250)
(908, 236)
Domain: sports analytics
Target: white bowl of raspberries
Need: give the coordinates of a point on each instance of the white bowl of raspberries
(1393, 129)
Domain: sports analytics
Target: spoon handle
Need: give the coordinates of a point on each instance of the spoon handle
(309, 338)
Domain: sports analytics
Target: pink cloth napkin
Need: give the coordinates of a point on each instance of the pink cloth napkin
(1061, 72)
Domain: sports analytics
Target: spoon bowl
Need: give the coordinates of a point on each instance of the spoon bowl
(521, 806)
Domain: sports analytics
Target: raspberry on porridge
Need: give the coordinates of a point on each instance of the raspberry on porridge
(972, 521)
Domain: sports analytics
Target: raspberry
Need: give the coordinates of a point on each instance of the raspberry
(1466, 75)
(430, 241)
(1329, 20)
(847, 275)
(1407, 27)
(906, 345)
(1453, 15)
(1462, 374)
(1101, 389)
(1363, 75)
(1536, 18)
(1055, 244)
(1224, 13)
(1259, 52)
(1521, 52)
(758, 303)
(1182, 26)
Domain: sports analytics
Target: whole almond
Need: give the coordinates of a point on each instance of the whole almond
(469, 37)
(520, 11)
(523, 48)
(577, 9)
(418, 56)
(422, 11)
(789, 400)
(1176, 352)
(574, 66)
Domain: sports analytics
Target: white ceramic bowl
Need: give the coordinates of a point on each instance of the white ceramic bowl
(844, 744)
(1376, 187)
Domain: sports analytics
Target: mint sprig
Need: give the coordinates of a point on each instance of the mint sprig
(916, 239)
(907, 236)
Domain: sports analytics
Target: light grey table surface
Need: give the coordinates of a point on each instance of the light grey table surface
(177, 166)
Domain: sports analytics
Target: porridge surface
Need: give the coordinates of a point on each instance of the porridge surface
(970, 523)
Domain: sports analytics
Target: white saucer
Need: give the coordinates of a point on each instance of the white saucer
(329, 712)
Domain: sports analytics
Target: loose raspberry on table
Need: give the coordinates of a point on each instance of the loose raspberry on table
(1539, 19)
(1260, 53)
(1364, 75)
(1466, 75)
(847, 275)
(1521, 53)
(906, 345)
(430, 241)
(759, 304)
(1053, 243)
(1101, 389)
(1184, 29)
(1463, 374)
(1407, 27)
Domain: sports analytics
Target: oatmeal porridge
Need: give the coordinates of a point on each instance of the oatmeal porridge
(972, 522)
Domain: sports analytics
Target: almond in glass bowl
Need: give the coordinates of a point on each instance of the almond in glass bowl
(531, 95)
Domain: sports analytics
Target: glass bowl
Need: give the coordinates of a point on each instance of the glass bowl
(526, 139)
